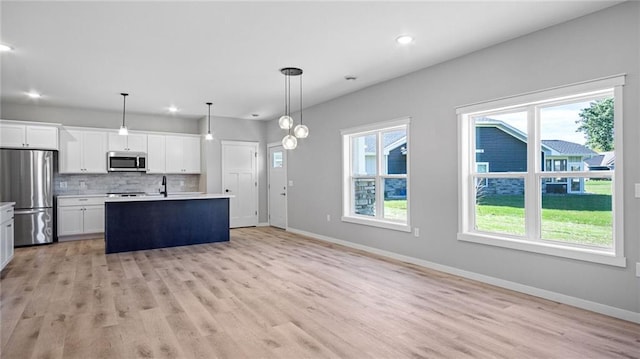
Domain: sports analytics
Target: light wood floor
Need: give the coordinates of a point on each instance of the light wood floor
(269, 293)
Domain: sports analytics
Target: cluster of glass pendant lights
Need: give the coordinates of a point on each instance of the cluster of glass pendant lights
(290, 141)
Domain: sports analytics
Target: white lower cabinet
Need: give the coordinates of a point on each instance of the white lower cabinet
(6, 236)
(80, 215)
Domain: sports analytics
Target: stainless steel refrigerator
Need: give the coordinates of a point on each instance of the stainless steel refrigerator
(26, 178)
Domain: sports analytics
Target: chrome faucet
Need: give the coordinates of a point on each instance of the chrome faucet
(164, 184)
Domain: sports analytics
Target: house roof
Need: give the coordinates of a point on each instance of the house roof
(605, 159)
(389, 138)
(556, 147)
(568, 148)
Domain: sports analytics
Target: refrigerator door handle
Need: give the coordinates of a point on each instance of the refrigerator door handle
(28, 211)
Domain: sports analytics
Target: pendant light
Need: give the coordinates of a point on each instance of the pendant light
(209, 135)
(123, 129)
(285, 122)
(301, 131)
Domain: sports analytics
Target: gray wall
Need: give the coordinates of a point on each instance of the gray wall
(233, 129)
(560, 55)
(97, 118)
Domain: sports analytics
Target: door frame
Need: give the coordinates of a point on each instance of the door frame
(223, 169)
(286, 181)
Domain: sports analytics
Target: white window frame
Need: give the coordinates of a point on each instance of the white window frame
(532, 243)
(348, 213)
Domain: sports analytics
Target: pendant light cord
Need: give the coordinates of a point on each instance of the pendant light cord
(209, 104)
(300, 99)
(288, 77)
(124, 106)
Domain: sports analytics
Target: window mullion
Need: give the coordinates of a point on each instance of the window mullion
(532, 197)
(379, 181)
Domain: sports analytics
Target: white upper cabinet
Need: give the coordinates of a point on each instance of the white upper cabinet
(156, 155)
(83, 151)
(182, 154)
(134, 142)
(32, 136)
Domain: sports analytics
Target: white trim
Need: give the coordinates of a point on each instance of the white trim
(285, 159)
(374, 127)
(545, 95)
(348, 211)
(522, 288)
(263, 224)
(377, 223)
(549, 248)
(611, 86)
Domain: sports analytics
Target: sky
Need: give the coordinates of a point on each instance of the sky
(556, 122)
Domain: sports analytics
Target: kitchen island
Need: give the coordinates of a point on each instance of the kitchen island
(137, 223)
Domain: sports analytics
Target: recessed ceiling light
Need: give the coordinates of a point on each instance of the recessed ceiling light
(255, 115)
(173, 109)
(5, 48)
(404, 39)
(350, 78)
(33, 94)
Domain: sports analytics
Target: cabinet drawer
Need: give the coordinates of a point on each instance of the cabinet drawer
(80, 201)
(6, 214)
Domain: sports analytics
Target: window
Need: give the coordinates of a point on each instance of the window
(276, 160)
(376, 175)
(542, 172)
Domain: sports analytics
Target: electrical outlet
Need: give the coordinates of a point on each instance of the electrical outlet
(181, 183)
(416, 232)
(83, 185)
(63, 184)
(290, 183)
(637, 190)
(638, 269)
(328, 218)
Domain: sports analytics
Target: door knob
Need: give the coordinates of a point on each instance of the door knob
(226, 190)
(283, 194)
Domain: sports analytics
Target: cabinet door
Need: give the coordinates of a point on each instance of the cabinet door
(71, 151)
(42, 137)
(191, 154)
(174, 154)
(137, 143)
(12, 136)
(70, 220)
(93, 219)
(117, 142)
(156, 154)
(8, 242)
(94, 148)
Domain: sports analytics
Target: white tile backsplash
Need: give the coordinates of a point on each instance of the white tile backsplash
(70, 184)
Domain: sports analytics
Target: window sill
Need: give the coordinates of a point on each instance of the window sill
(378, 223)
(587, 255)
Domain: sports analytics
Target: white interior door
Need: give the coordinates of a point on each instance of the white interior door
(277, 187)
(240, 178)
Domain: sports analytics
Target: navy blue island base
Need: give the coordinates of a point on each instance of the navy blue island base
(137, 225)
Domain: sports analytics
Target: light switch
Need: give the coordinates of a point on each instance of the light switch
(637, 190)
(291, 184)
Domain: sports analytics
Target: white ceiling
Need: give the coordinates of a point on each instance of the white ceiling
(83, 54)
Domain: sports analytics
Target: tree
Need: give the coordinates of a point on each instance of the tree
(596, 121)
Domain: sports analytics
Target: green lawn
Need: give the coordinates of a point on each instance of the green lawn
(395, 209)
(577, 218)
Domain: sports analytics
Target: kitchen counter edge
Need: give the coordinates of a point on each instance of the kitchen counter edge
(170, 198)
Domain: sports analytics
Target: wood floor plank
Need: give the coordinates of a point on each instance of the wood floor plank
(270, 293)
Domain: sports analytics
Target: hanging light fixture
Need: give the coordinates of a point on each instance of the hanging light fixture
(209, 135)
(123, 129)
(301, 131)
(285, 122)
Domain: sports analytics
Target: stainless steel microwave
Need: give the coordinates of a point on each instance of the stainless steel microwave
(126, 162)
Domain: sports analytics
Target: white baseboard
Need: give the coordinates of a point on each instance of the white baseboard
(542, 293)
(263, 224)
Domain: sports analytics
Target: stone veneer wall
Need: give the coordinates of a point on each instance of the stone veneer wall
(122, 182)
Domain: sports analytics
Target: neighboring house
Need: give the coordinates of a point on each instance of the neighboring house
(501, 147)
(394, 162)
(606, 161)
